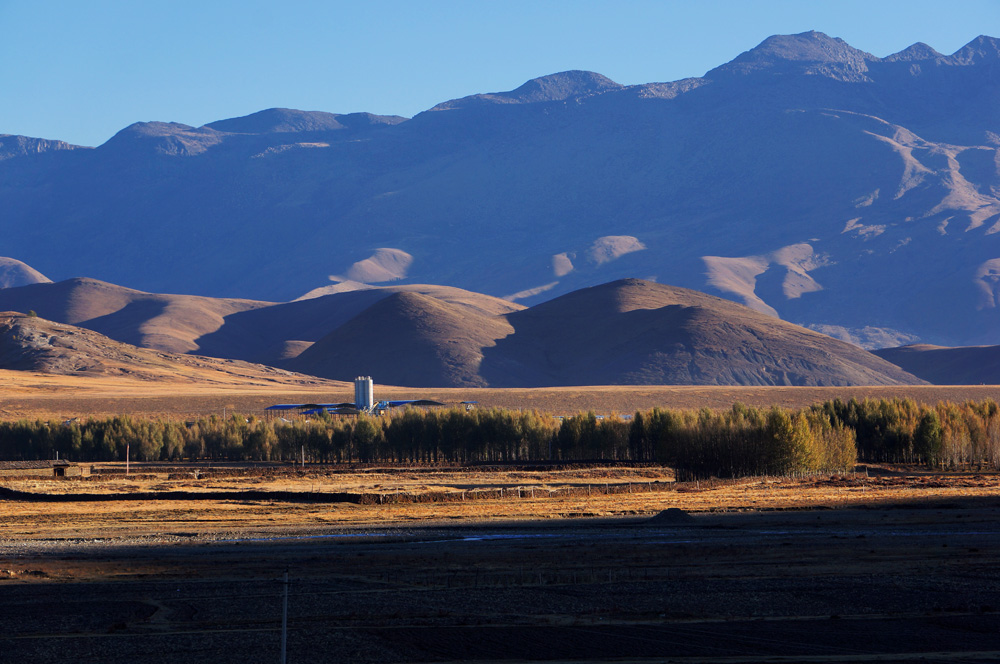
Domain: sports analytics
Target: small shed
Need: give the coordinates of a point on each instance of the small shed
(50, 468)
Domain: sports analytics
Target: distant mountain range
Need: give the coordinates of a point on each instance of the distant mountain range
(967, 365)
(807, 179)
(629, 332)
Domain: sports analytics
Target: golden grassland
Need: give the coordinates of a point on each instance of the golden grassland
(530, 495)
(25, 394)
(32, 395)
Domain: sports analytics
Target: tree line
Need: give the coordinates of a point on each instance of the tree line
(739, 441)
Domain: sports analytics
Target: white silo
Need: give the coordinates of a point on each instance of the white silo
(364, 393)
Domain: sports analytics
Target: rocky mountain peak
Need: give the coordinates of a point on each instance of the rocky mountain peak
(278, 120)
(561, 86)
(915, 53)
(981, 49)
(167, 138)
(555, 87)
(18, 146)
(808, 52)
(290, 120)
(809, 46)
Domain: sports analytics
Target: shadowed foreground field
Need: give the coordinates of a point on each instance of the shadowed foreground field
(892, 568)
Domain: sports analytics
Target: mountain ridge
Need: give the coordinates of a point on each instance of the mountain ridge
(940, 365)
(562, 86)
(12, 146)
(779, 54)
(287, 120)
(824, 184)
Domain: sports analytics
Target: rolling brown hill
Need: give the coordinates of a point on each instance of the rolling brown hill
(940, 365)
(408, 338)
(278, 333)
(30, 343)
(626, 332)
(263, 332)
(164, 322)
(15, 273)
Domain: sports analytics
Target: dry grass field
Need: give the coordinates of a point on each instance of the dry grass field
(213, 508)
(26, 394)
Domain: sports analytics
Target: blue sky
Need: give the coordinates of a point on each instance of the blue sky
(81, 71)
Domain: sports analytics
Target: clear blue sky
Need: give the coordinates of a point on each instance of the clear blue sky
(82, 70)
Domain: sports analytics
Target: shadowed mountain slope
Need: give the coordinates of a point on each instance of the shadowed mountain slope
(14, 273)
(280, 332)
(639, 332)
(162, 322)
(237, 329)
(407, 338)
(806, 179)
(30, 343)
(626, 332)
(969, 365)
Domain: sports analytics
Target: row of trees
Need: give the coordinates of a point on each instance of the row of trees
(736, 442)
(410, 436)
(900, 430)
(743, 441)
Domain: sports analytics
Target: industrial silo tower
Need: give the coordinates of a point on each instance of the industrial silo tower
(364, 393)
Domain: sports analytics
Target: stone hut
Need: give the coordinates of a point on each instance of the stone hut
(51, 468)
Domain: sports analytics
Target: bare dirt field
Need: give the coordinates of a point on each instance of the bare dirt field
(25, 394)
(891, 564)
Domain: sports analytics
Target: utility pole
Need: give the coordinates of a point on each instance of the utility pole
(126, 457)
(284, 621)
